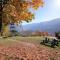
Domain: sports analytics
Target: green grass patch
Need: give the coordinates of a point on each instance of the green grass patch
(11, 40)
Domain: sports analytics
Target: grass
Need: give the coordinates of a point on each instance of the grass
(11, 40)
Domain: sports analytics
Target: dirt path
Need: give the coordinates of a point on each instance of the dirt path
(27, 51)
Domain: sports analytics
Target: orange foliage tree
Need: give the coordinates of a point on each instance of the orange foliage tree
(18, 10)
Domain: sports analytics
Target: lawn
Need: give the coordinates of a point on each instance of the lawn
(11, 40)
(25, 47)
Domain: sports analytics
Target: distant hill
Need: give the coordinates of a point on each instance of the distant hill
(48, 26)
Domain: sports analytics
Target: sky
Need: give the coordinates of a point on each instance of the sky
(50, 11)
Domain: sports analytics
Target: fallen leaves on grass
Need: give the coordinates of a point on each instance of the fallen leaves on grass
(28, 51)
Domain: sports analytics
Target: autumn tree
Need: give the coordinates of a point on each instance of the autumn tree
(18, 10)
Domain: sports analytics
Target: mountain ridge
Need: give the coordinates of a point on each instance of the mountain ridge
(48, 26)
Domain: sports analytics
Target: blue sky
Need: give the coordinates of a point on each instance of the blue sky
(49, 11)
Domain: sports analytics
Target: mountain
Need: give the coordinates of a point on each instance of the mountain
(48, 26)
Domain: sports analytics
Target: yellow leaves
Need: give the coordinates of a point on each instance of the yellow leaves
(17, 10)
(36, 3)
(10, 9)
(25, 16)
(25, 5)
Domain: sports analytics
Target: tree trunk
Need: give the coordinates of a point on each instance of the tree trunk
(5, 30)
(0, 18)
